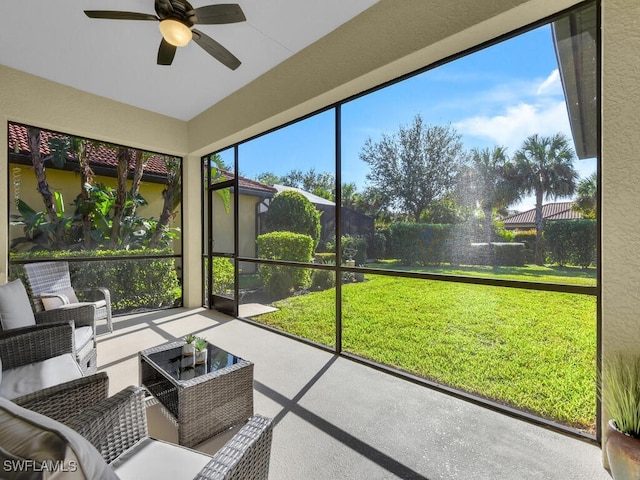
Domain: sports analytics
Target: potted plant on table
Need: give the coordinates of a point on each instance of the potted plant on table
(188, 348)
(621, 398)
(201, 350)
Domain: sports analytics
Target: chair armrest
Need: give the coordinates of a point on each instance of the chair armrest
(83, 314)
(115, 424)
(67, 400)
(245, 456)
(22, 346)
(103, 291)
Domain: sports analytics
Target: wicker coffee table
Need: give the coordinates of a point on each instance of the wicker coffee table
(203, 399)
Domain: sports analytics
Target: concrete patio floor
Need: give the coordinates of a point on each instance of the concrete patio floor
(337, 419)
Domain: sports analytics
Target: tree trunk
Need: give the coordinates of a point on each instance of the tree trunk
(86, 177)
(41, 177)
(123, 156)
(137, 178)
(168, 194)
(539, 252)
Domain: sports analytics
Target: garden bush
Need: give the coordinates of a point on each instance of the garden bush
(133, 283)
(279, 280)
(379, 245)
(420, 243)
(497, 254)
(291, 211)
(570, 242)
(528, 237)
(322, 280)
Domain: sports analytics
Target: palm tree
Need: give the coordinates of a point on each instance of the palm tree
(488, 183)
(544, 167)
(586, 201)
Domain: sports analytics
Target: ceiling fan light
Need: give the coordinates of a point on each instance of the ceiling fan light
(175, 32)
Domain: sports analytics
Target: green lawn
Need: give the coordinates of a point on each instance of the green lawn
(530, 349)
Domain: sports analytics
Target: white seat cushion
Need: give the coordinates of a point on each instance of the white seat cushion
(36, 376)
(81, 335)
(154, 459)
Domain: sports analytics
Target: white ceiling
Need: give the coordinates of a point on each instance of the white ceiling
(117, 58)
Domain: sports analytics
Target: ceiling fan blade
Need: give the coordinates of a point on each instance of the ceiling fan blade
(216, 50)
(217, 14)
(164, 9)
(111, 15)
(166, 52)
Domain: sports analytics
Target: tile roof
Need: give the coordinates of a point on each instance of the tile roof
(315, 199)
(248, 183)
(550, 211)
(102, 156)
(106, 157)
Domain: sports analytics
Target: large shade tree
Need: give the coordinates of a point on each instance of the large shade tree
(415, 166)
(543, 167)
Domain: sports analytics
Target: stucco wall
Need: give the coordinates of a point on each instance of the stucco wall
(620, 177)
(34, 101)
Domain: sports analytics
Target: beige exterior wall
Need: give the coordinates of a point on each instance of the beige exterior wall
(34, 101)
(361, 54)
(68, 183)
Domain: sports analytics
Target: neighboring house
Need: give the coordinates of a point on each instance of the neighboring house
(550, 211)
(253, 200)
(103, 162)
(353, 222)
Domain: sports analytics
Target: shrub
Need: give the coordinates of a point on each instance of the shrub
(322, 280)
(528, 237)
(279, 280)
(326, 258)
(222, 275)
(290, 211)
(570, 241)
(497, 254)
(420, 243)
(355, 244)
(132, 283)
(379, 245)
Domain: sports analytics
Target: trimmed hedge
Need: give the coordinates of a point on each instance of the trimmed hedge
(570, 242)
(133, 283)
(279, 280)
(420, 243)
(497, 254)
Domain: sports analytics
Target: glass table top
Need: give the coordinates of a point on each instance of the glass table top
(183, 367)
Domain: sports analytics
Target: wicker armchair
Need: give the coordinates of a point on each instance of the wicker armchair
(50, 281)
(84, 333)
(117, 427)
(28, 345)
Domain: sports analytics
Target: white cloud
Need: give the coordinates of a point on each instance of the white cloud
(516, 123)
(551, 85)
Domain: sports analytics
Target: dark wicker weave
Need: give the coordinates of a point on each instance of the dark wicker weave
(205, 405)
(83, 315)
(22, 346)
(118, 423)
(52, 277)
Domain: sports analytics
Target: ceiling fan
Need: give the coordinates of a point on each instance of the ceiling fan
(177, 18)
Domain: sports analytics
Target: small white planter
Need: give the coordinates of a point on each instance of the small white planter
(188, 349)
(201, 357)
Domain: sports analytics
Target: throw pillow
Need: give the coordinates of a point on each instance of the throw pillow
(15, 308)
(34, 437)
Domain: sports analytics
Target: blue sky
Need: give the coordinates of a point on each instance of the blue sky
(497, 96)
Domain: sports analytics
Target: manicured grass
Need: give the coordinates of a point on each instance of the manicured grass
(529, 349)
(532, 273)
